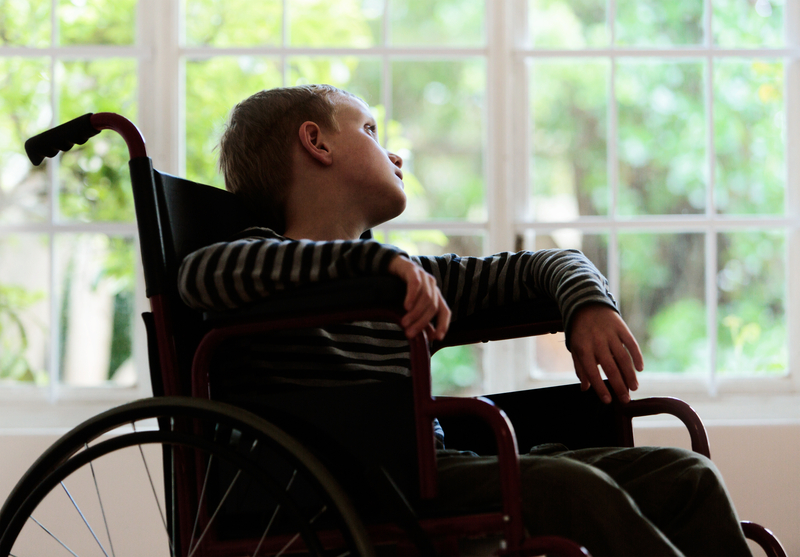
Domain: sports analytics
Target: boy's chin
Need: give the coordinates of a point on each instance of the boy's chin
(391, 213)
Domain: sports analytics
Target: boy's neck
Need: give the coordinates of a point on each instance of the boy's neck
(322, 232)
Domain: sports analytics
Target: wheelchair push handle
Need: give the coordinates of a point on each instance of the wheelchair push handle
(78, 131)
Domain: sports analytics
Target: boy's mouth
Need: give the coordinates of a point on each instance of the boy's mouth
(399, 174)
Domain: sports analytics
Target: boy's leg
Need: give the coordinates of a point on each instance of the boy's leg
(561, 496)
(637, 501)
(679, 491)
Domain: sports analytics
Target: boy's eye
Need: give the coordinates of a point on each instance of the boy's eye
(372, 128)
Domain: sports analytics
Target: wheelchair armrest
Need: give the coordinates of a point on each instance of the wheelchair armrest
(530, 318)
(675, 407)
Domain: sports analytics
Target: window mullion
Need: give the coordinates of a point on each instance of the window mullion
(792, 135)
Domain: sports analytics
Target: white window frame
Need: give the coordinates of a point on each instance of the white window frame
(161, 76)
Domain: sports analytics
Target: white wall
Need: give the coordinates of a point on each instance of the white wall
(761, 465)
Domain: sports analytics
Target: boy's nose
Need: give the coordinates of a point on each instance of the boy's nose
(396, 159)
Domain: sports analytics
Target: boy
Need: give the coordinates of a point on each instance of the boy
(308, 158)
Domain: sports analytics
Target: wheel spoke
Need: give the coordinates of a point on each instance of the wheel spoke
(201, 499)
(213, 516)
(102, 508)
(85, 521)
(53, 536)
(274, 515)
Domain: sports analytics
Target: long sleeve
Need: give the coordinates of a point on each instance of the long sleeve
(565, 276)
(229, 275)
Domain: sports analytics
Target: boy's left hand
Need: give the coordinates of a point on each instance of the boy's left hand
(599, 336)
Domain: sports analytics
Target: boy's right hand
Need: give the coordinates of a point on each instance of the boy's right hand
(424, 300)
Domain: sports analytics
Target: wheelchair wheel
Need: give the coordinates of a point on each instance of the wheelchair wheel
(179, 477)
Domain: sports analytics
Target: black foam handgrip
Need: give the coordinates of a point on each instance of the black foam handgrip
(60, 138)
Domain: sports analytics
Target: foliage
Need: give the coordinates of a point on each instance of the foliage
(14, 365)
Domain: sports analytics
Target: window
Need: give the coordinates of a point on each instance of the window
(651, 135)
(67, 233)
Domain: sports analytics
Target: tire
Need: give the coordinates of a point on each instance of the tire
(179, 477)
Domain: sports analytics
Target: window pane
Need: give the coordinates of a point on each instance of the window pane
(440, 23)
(457, 370)
(662, 298)
(96, 281)
(359, 76)
(25, 23)
(550, 354)
(94, 177)
(567, 23)
(232, 23)
(659, 23)
(439, 133)
(662, 138)
(752, 303)
(345, 23)
(24, 308)
(213, 87)
(569, 105)
(749, 137)
(748, 23)
(24, 112)
(97, 22)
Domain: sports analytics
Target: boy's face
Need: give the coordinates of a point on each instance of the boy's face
(370, 174)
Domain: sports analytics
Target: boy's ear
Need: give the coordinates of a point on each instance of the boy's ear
(314, 141)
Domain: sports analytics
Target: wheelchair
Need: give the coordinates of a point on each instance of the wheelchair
(288, 476)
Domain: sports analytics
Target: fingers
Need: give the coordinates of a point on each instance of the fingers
(425, 307)
(600, 339)
(423, 303)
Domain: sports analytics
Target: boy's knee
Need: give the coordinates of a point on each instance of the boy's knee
(570, 491)
(691, 466)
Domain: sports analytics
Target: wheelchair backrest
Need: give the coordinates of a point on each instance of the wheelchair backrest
(175, 217)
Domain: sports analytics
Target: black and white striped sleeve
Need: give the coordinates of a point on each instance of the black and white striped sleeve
(229, 275)
(565, 276)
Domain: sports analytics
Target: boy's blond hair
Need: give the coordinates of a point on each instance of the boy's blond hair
(255, 148)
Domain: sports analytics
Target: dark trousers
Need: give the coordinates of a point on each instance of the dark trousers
(637, 502)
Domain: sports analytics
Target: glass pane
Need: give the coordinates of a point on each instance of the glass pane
(662, 138)
(437, 128)
(24, 308)
(24, 112)
(751, 279)
(748, 23)
(457, 370)
(659, 23)
(440, 23)
(567, 24)
(345, 23)
(96, 281)
(25, 23)
(94, 177)
(569, 105)
(213, 87)
(749, 136)
(97, 22)
(359, 76)
(550, 354)
(662, 298)
(233, 22)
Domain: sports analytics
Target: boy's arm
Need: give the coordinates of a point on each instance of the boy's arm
(230, 275)
(596, 334)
